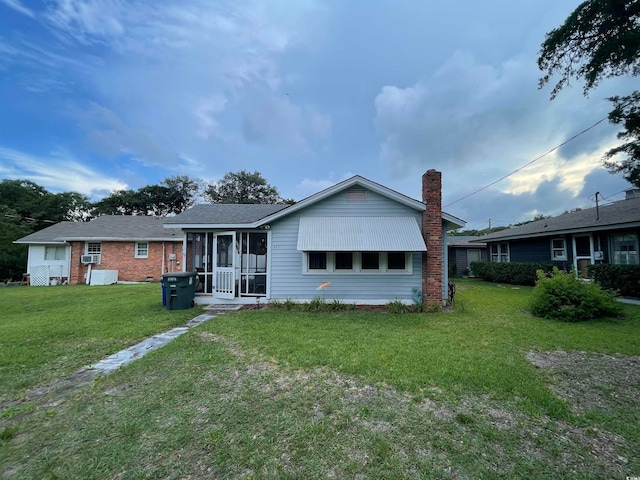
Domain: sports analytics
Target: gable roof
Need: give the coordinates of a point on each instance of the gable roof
(251, 216)
(106, 228)
(621, 214)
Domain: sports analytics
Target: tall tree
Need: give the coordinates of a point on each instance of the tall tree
(242, 187)
(184, 191)
(601, 39)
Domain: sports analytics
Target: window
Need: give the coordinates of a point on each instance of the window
(625, 249)
(370, 260)
(344, 260)
(317, 260)
(500, 252)
(558, 249)
(94, 248)
(55, 253)
(372, 263)
(396, 260)
(142, 250)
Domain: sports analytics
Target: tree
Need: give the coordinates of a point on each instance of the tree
(601, 39)
(242, 187)
(183, 192)
(122, 202)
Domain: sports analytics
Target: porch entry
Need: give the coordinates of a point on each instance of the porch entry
(229, 264)
(582, 254)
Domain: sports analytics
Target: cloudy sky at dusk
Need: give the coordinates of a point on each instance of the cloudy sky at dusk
(99, 95)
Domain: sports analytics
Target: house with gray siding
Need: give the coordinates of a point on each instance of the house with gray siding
(604, 234)
(356, 241)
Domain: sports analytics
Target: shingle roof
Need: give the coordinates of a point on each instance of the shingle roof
(463, 241)
(224, 214)
(107, 227)
(619, 214)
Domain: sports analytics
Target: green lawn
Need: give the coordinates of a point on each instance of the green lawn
(273, 394)
(48, 332)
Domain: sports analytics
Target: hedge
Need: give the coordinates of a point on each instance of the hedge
(509, 272)
(625, 279)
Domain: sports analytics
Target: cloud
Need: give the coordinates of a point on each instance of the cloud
(18, 7)
(57, 172)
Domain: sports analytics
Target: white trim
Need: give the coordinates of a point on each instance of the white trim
(136, 253)
(357, 265)
(562, 258)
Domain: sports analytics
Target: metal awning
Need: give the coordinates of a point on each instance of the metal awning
(367, 234)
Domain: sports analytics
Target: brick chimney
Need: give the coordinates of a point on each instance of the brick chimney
(432, 233)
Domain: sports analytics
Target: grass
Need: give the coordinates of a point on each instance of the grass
(47, 333)
(264, 394)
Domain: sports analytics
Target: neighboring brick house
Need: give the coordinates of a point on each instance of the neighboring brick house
(139, 248)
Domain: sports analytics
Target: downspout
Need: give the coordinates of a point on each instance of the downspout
(163, 256)
(69, 264)
(184, 252)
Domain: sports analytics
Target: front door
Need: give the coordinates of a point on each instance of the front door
(472, 256)
(582, 250)
(224, 273)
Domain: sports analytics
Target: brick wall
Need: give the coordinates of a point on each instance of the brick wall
(432, 232)
(121, 256)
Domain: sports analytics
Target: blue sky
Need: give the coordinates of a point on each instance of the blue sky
(97, 95)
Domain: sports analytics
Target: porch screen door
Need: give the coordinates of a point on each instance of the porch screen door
(224, 268)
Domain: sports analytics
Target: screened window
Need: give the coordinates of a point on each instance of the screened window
(317, 260)
(625, 249)
(370, 260)
(344, 260)
(396, 261)
(500, 252)
(94, 248)
(142, 250)
(373, 263)
(55, 253)
(558, 249)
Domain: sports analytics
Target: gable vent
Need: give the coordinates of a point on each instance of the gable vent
(356, 195)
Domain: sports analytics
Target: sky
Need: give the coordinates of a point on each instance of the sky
(102, 95)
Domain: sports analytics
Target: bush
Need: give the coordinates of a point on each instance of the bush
(625, 279)
(562, 296)
(508, 272)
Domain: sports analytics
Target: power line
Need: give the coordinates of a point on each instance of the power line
(527, 164)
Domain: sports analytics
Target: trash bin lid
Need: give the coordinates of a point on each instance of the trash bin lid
(179, 274)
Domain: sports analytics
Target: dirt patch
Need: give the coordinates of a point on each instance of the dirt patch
(592, 381)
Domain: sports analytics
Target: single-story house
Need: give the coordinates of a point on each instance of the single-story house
(129, 248)
(356, 242)
(461, 252)
(605, 234)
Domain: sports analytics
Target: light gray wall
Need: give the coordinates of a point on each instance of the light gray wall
(288, 281)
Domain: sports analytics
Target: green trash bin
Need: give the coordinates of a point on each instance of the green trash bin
(180, 289)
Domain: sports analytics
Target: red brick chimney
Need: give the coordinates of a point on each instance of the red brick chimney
(432, 233)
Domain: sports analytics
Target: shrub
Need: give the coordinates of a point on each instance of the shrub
(508, 272)
(396, 306)
(625, 279)
(562, 296)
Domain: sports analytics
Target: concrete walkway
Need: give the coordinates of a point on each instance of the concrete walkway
(128, 355)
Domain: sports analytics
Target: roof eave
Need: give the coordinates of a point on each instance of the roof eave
(565, 231)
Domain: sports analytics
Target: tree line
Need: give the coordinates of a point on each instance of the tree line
(26, 207)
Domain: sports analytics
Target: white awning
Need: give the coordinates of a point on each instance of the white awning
(367, 234)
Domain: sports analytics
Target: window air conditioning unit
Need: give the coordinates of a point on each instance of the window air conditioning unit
(90, 259)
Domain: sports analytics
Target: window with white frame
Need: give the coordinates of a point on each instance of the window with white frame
(55, 252)
(142, 250)
(500, 252)
(94, 248)
(558, 249)
(624, 249)
(357, 262)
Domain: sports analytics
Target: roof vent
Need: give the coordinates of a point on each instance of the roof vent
(632, 193)
(356, 195)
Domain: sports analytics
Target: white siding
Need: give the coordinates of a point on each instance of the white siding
(288, 281)
(57, 268)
